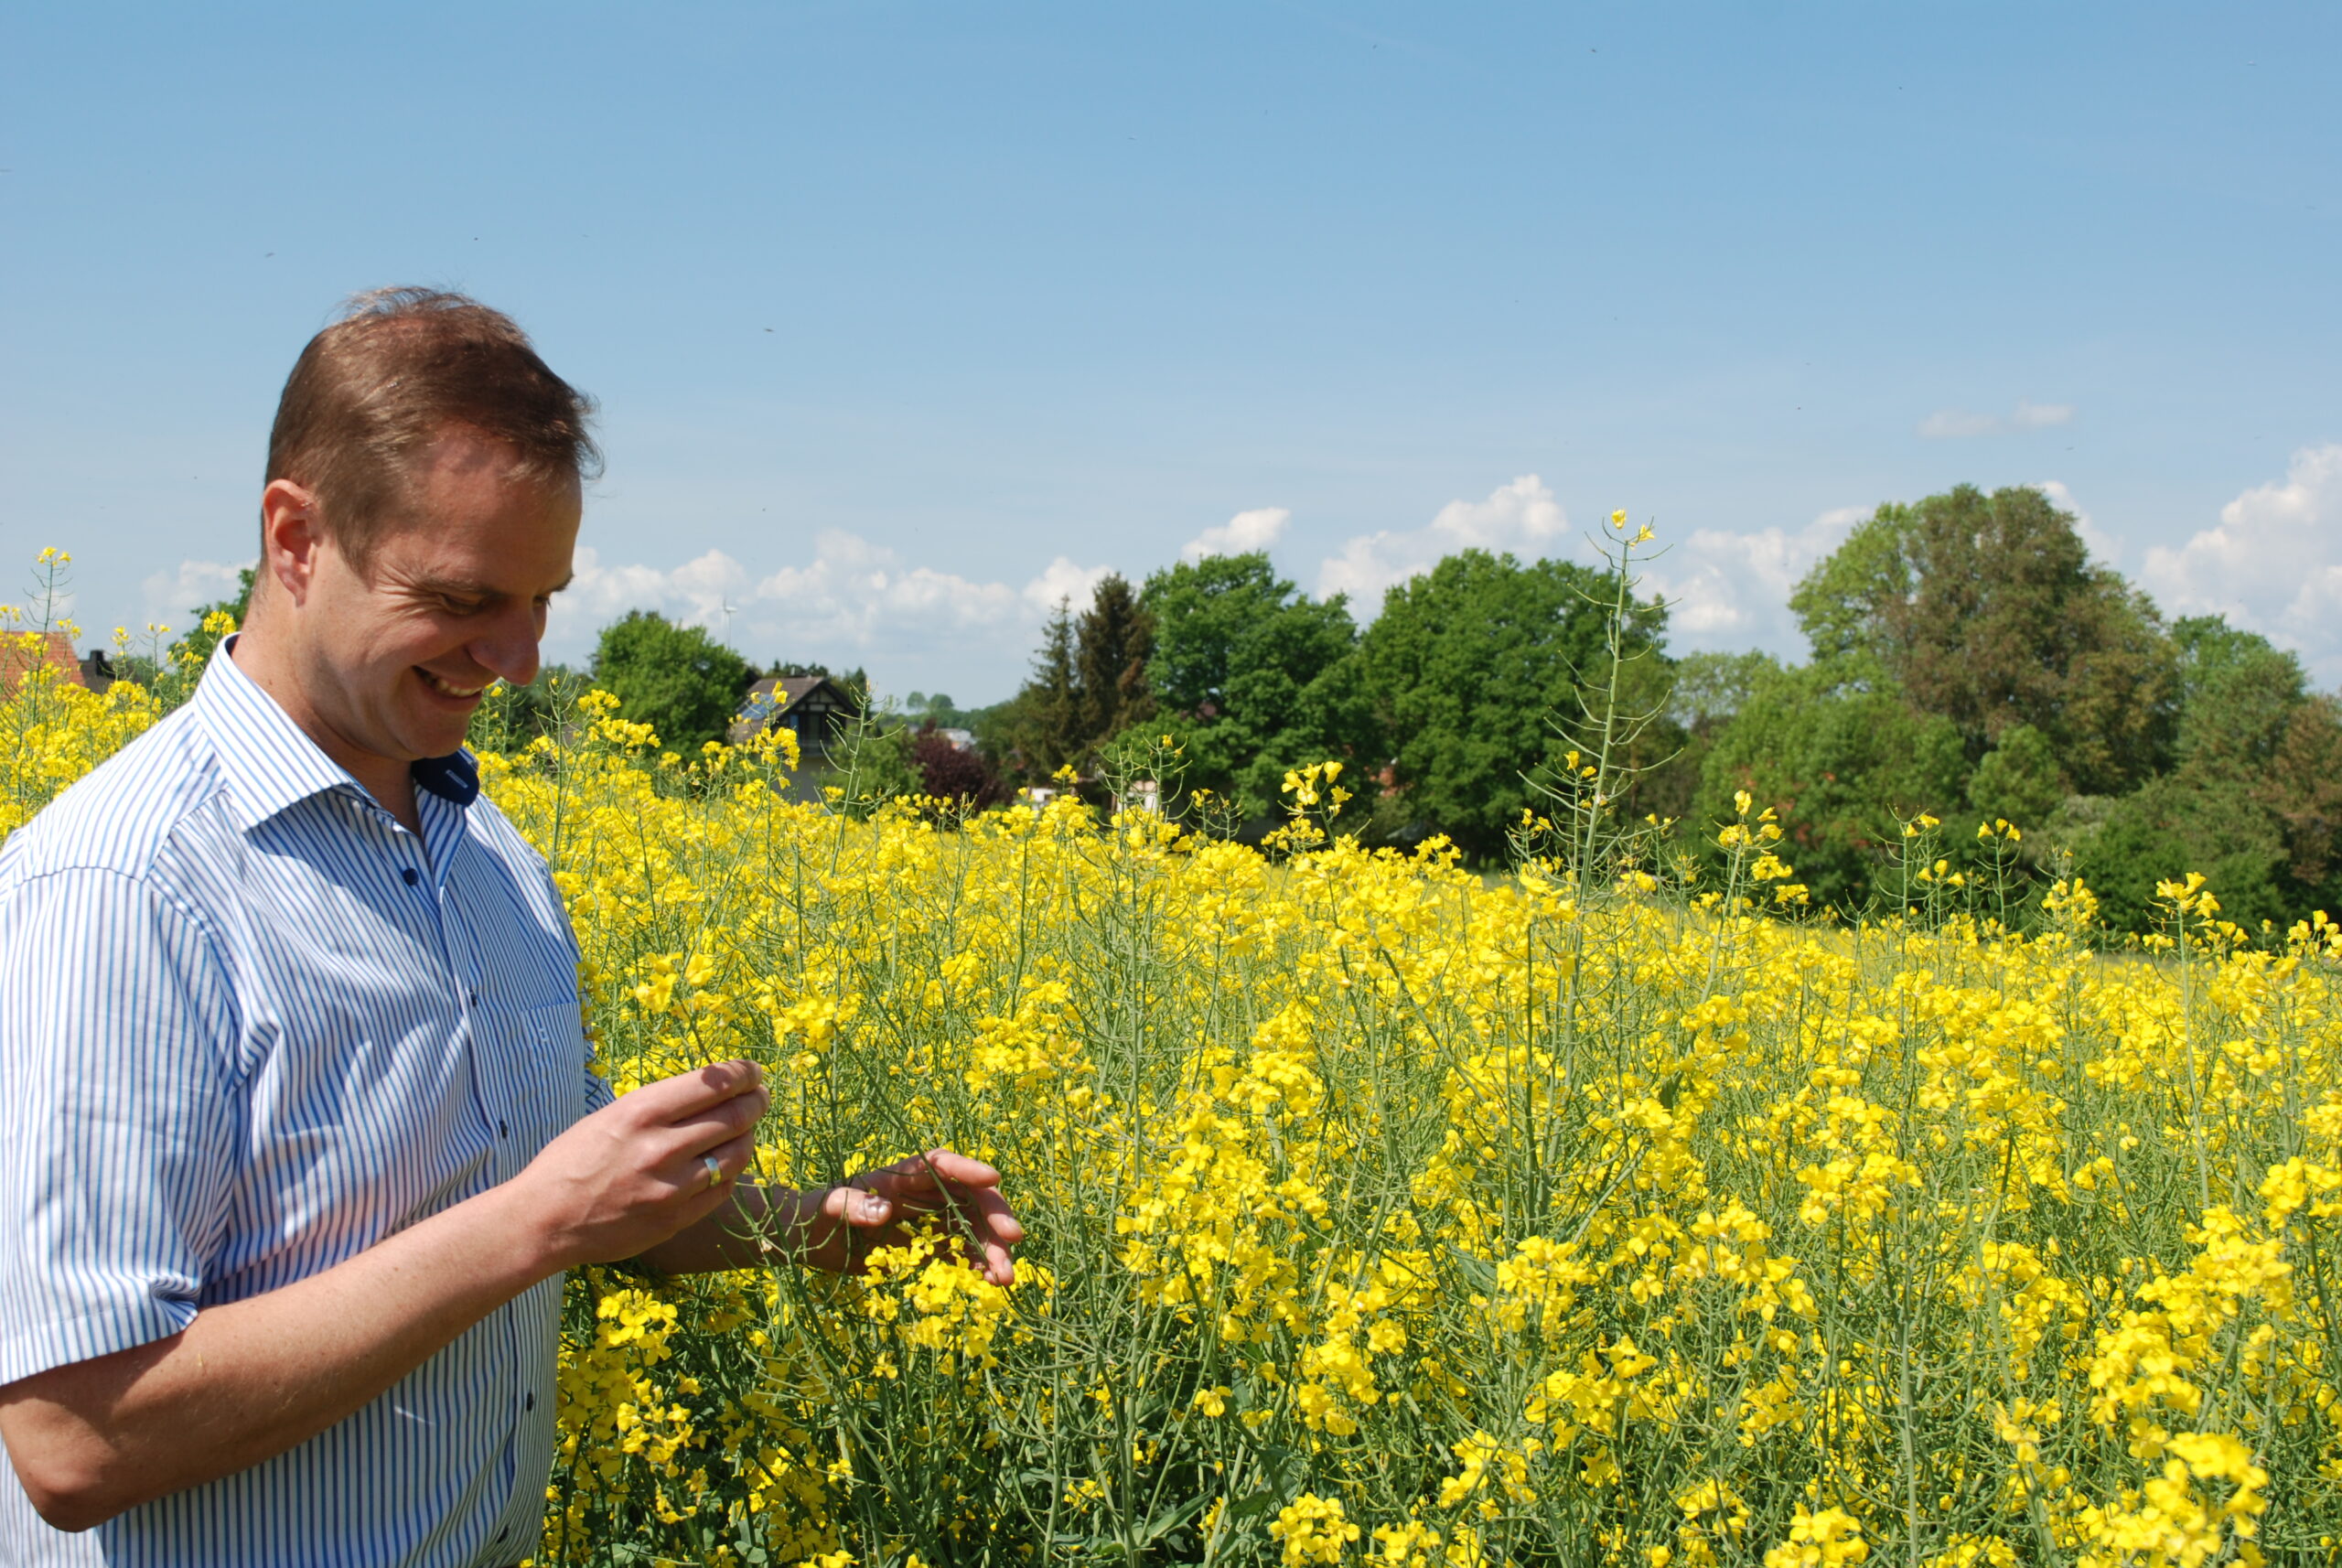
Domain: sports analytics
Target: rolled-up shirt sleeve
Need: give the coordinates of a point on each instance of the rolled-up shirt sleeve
(117, 1031)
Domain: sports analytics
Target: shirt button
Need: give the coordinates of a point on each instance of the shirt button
(531, 1402)
(408, 876)
(475, 998)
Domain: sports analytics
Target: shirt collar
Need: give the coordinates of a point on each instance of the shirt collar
(269, 764)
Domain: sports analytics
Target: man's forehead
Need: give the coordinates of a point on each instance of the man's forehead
(468, 525)
(467, 563)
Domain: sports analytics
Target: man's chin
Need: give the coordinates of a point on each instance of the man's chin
(435, 734)
(438, 723)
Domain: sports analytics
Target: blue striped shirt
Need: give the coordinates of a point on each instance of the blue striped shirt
(249, 1026)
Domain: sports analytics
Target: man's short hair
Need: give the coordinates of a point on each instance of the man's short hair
(398, 366)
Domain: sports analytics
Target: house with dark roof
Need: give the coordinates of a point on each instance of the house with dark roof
(812, 707)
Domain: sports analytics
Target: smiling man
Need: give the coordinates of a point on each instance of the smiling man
(297, 1134)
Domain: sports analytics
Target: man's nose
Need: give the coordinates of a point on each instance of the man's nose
(509, 650)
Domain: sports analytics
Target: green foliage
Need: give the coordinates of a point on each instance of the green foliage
(1042, 725)
(1843, 602)
(1710, 689)
(938, 708)
(1987, 610)
(2019, 779)
(873, 763)
(2255, 802)
(1114, 641)
(676, 678)
(1258, 676)
(1468, 667)
(2173, 825)
(1089, 684)
(2238, 692)
(1840, 758)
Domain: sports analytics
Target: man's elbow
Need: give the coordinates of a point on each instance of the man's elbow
(65, 1477)
(68, 1497)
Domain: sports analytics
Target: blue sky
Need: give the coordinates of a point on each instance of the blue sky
(905, 319)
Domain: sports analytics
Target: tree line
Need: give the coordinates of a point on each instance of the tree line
(1968, 659)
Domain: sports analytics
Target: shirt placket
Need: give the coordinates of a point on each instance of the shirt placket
(493, 1084)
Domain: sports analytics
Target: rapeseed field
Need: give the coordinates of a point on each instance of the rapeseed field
(1384, 1212)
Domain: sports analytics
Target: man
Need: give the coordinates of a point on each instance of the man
(299, 1133)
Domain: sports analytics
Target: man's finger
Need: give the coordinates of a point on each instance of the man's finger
(999, 1266)
(930, 1173)
(955, 1166)
(990, 1215)
(690, 1175)
(856, 1207)
(670, 1100)
(718, 1124)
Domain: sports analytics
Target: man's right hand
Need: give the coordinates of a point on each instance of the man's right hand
(635, 1172)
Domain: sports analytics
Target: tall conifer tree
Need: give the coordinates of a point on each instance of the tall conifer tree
(1114, 640)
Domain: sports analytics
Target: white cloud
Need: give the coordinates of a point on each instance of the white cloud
(1728, 589)
(1065, 580)
(1522, 517)
(1954, 423)
(2272, 565)
(1239, 535)
(171, 596)
(849, 600)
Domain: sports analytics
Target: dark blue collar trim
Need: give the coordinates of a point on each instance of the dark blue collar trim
(453, 778)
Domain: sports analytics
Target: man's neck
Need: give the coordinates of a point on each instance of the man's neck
(269, 664)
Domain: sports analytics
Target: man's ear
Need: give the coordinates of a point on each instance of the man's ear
(291, 535)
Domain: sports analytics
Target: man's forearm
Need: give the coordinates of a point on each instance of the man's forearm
(249, 1380)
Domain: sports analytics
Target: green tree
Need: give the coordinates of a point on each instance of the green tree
(2238, 690)
(1042, 725)
(2254, 803)
(1258, 676)
(1987, 610)
(677, 679)
(1468, 666)
(1114, 641)
(1841, 758)
(2170, 826)
(2018, 781)
(1709, 690)
(1843, 602)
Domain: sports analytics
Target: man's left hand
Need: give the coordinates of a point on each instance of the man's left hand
(883, 1208)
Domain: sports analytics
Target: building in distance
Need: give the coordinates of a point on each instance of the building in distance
(812, 707)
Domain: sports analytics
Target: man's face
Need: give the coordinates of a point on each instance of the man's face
(454, 599)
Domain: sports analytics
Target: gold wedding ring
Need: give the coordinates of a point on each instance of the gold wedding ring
(714, 1171)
